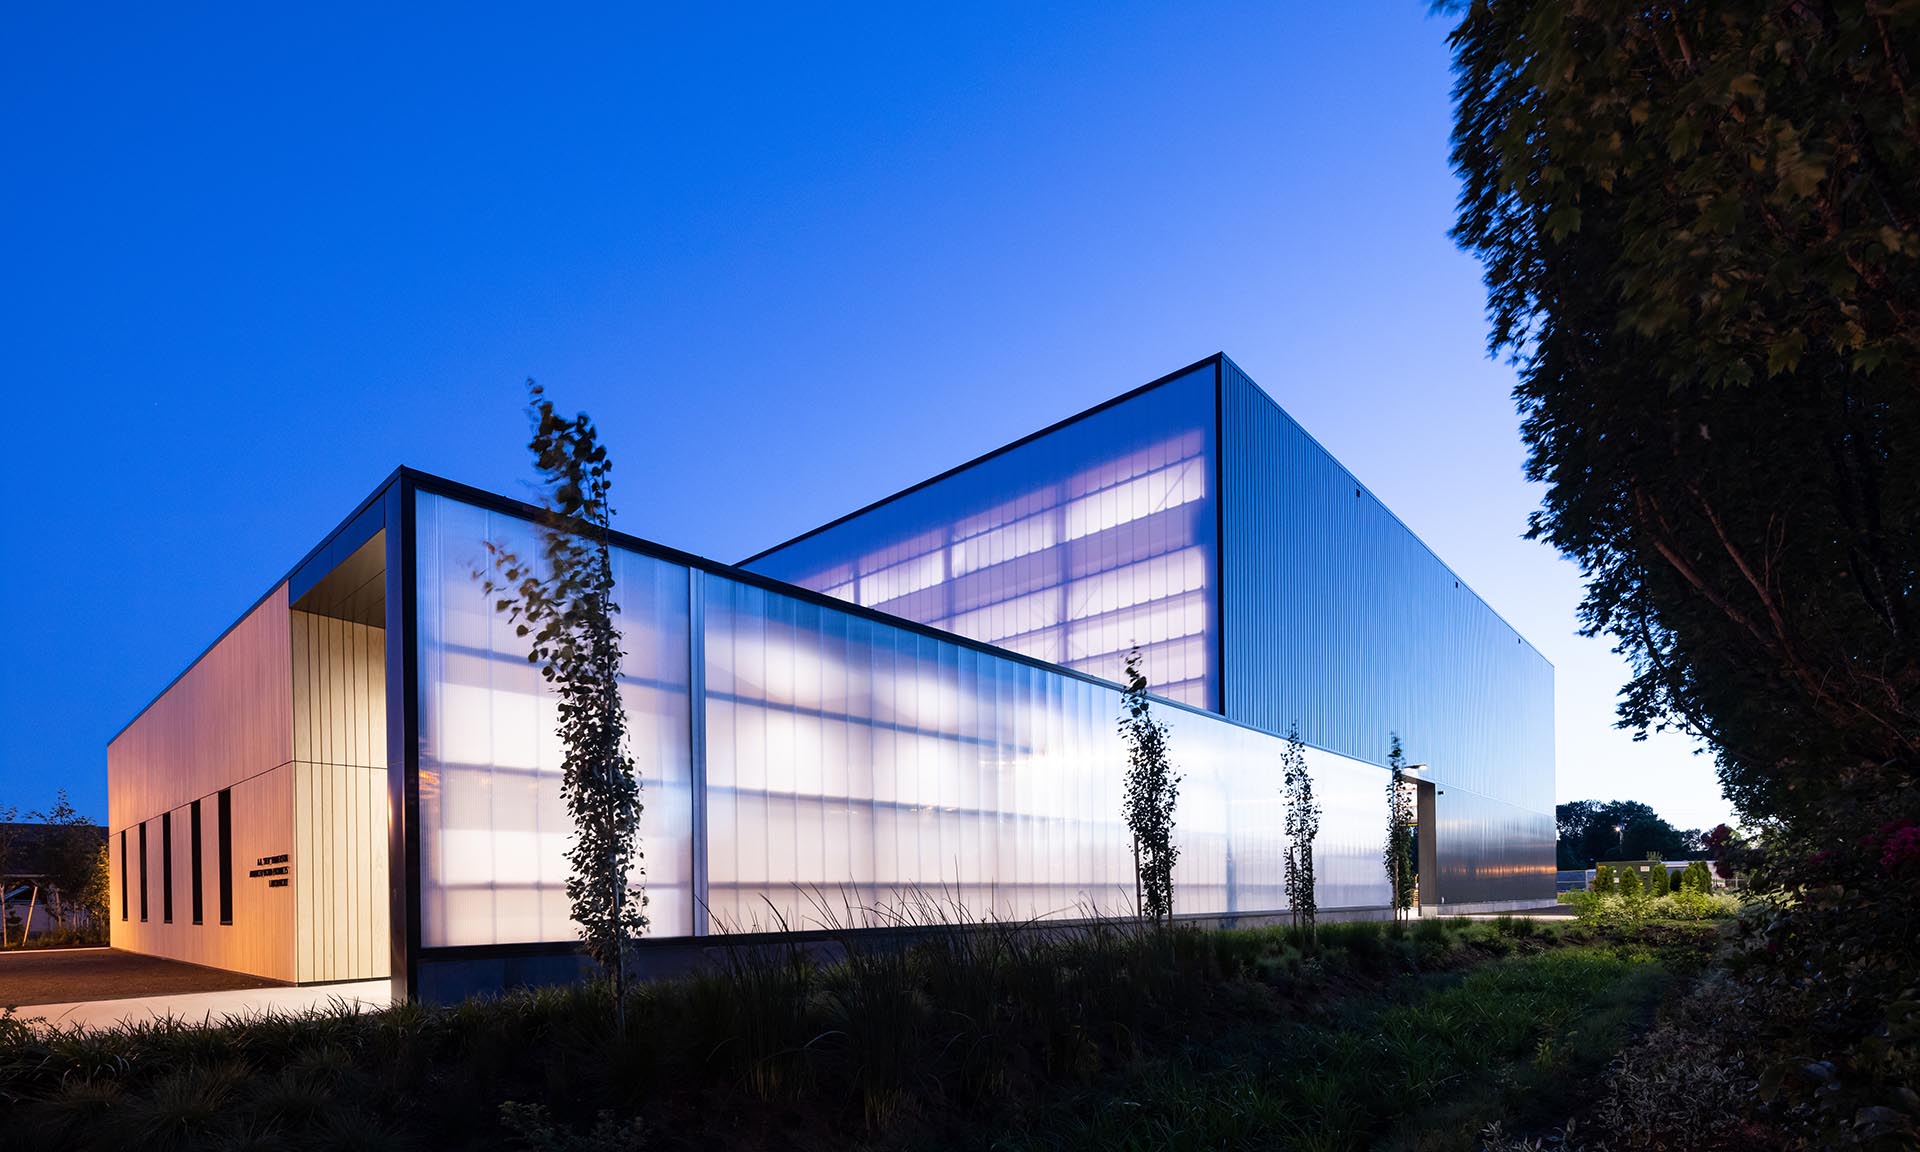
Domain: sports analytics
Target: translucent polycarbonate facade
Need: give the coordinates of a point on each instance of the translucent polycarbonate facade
(852, 764)
(1071, 548)
(818, 758)
(493, 828)
(1325, 610)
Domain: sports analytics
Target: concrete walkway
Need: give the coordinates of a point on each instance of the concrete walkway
(203, 1008)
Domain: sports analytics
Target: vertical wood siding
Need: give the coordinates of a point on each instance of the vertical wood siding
(260, 939)
(228, 717)
(340, 805)
(226, 723)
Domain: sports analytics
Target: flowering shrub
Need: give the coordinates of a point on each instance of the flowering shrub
(1609, 910)
(1691, 904)
(1899, 845)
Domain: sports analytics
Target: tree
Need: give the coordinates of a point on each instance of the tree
(1398, 856)
(69, 850)
(569, 613)
(1657, 881)
(1602, 879)
(1302, 828)
(1630, 885)
(1151, 792)
(1700, 228)
(1593, 830)
(8, 813)
(95, 897)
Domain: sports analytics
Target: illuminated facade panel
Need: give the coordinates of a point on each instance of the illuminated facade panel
(849, 765)
(493, 827)
(1071, 547)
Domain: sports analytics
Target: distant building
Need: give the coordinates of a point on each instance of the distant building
(360, 780)
(29, 884)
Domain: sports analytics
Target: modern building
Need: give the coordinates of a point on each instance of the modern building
(915, 702)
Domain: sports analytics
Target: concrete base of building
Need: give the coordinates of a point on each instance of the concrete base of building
(1487, 907)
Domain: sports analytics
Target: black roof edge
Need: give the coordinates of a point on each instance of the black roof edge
(326, 541)
(1149, 386)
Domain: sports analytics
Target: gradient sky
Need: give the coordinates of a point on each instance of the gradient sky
(251, 261)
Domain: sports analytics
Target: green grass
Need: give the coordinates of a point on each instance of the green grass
(1011, 1036)
(1426, 1068)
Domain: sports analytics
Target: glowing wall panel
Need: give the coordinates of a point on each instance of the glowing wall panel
(1071, 548)
(854, 769)
(493, 827)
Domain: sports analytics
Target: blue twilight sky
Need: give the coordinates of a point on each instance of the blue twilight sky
(251, 260)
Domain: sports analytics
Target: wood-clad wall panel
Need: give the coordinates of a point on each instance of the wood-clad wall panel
(260, 940)
(341, 844)
(340, 798)
(228, 718)
(339, 691)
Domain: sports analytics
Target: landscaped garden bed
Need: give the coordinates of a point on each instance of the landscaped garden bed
(994, 1037)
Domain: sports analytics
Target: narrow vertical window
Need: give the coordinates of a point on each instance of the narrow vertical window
(223, 817)
(143, 871)
(193, 855)
(124, 865)
(166, 867)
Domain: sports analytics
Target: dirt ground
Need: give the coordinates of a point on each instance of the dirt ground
(60, 976)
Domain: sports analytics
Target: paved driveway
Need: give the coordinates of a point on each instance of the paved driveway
(215, 1007)
(66, 975)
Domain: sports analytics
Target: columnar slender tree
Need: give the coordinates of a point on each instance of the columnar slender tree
(1399, 850)
(566, 604)
(1302, 826)
(1152, 790)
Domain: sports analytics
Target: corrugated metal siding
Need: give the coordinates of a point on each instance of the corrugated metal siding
(1339, 619)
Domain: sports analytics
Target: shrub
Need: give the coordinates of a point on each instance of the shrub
(1692, 904)
(1630, 886)
(1602, 879)
(1610, 910)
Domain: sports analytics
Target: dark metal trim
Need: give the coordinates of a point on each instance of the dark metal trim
(403, 739)
(343, 542)
(1220, 533)
(697, 740)
(1002, 450)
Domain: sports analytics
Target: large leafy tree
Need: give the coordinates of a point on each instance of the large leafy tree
(1591, 830)
(1700, 226)
(564, 603)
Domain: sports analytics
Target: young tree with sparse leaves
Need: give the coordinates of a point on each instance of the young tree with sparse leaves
(565, 603)
(1152, 790)
(69, 851)
(1302, 827)
(1398, 856)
